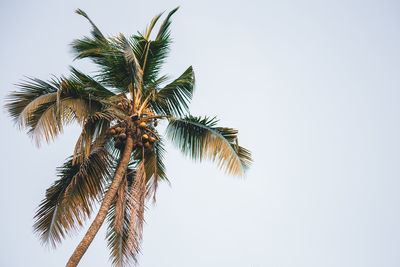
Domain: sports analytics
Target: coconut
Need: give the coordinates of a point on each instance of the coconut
(155, 123)
(145, 136)
(142, 124)
(112, 131)
(118, 129)
(122, 136)
(120, 104)
(147, 144)
(118, 144)
(152, 139)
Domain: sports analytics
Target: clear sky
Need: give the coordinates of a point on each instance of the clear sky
(313, 87)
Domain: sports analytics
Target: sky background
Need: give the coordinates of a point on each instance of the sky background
(313, 87)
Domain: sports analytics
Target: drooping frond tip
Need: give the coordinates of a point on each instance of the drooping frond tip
(81, 12)
(96, 32)
(164, 28)
(199, 138)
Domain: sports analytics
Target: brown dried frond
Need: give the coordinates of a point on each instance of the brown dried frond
(137, 206)
(120, 205)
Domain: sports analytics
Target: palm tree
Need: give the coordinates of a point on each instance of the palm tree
(118, 158)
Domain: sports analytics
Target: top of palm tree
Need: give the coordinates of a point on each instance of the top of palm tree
(127, 95)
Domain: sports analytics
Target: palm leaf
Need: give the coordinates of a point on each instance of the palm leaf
(152, 53)
(120, 206)
(94, 131)
(175, 97)
(154, 168)
(92, 48)
(120, 59)
(133, 66)
(31, 94)
(69, 201)
(125, 65)
(164, 32)
(124, 232)
(95, 32)
(91, 85)
(108, 55)
(149, 28)
(136, 202)
(199, 138)
(44, 107)
(118, 240)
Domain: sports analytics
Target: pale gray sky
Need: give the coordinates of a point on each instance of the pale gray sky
(313, 87)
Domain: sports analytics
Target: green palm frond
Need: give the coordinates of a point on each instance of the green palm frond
(31, 94)
(95, 47)
(164, 31)
(199, 138)
(119, 67)
(121, 102)
(93, 87)
(152, 53)
(44, 107)
(92, 48)
(35, 106)
(133, 66)
(175, 97)
(69, 201)
(108, 55)
(122, 60)
(95, 32)
(149, 28)
(115, 71)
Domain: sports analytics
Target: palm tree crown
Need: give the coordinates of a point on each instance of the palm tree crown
(118, 109)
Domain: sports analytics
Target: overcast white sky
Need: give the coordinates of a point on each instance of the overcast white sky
(313, 87)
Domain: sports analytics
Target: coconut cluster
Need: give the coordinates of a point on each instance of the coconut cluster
(119, 134)
(142, 134)
(145, 136)
(142, 129)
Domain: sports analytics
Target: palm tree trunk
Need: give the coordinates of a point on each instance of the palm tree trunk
(105, 205)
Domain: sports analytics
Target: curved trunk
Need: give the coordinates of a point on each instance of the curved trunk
(105, 205)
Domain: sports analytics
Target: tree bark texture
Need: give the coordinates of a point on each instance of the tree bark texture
(105, 205)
